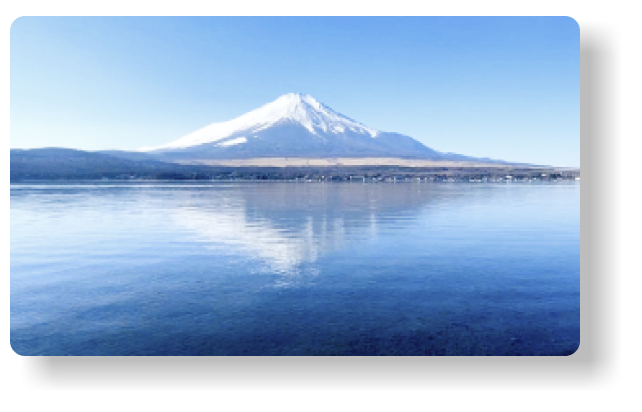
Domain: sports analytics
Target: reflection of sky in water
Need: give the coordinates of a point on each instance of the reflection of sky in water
(349, 268)
(229, 230)
(287, 227)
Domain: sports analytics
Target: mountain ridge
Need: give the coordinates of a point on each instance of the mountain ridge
(295, 125)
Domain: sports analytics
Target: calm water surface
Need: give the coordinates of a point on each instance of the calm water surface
(295, 269)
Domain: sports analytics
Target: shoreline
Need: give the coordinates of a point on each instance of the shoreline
(51, 165)
(242, 180)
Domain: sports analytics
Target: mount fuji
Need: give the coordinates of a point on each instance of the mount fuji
(295, 125)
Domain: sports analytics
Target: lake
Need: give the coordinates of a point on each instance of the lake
(292, 268)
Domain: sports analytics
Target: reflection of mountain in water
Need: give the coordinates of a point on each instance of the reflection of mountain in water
(289, 225)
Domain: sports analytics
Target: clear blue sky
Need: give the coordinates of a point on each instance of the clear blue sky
(506, 88)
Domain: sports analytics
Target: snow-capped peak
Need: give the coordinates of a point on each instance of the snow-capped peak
(294, 107)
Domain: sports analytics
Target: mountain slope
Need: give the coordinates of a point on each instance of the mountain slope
(294, 125)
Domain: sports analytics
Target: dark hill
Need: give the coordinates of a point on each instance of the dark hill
(59, 163)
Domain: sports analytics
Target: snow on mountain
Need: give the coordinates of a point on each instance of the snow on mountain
(295, 107)
(294, 125)
(238, 140)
